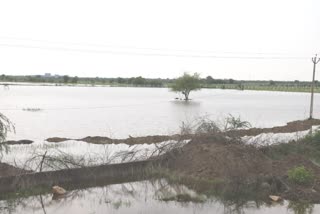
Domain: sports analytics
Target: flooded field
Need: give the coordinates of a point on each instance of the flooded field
(157, 196)
(80, 154)
(39, 112)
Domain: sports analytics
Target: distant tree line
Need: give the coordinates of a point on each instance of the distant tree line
(132, 81)
(207, 82)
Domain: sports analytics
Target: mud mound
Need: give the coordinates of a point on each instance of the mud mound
(294, 126)
(18, 142)
(207, 158)
(280, 167)
(57, 139)
(8, 170)
(220, 158)
(129, 141)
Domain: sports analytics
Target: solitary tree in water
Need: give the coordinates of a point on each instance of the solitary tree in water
(187, 83)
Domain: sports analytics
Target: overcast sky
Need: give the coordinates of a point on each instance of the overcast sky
(247, 39)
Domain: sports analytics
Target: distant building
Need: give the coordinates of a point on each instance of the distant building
(47, 75)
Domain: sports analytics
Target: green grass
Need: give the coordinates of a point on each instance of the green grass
(300, 175)
(309, 146)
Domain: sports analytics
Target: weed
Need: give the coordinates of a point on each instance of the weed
(300, 175)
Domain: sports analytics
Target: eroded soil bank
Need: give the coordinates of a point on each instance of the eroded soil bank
(294, 126)
(218, 159)
(8, 170)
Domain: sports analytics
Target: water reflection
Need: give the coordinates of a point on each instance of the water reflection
(153, 196)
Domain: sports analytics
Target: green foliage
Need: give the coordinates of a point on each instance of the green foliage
(301, 207)
(300, 175)
(66, 78)
(187, 83)
(313, 139)
(308, 146)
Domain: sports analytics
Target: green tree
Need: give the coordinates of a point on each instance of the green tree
(209, 80)
(75, 80)
(139, 81)
(66, 78)
(186, 83)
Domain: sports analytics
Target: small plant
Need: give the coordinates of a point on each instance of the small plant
(207, 126)
(300, 175)
(233, 123)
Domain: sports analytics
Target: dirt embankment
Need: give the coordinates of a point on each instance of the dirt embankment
(213, 157)
(294, 126)
(216, 158)
(129, 141)
(18, 142)
(8, 170)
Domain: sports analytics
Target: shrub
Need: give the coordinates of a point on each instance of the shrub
(5, 127)
(313, 138)
(300, 175)
(233, 123)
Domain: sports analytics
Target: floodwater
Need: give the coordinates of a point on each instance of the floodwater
(82, 154)
(76, 112)
(155, 196)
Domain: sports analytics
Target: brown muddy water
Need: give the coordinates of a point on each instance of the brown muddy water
(149, 196)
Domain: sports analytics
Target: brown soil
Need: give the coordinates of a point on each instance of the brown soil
(57, 139)
(8, 170)
(130, 140)
(216, 158)
(294, 126)
(16, 142)
(212, 157)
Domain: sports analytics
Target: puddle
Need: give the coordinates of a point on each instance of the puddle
(149, 196)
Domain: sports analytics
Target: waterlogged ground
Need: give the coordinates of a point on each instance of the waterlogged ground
(156, 196)
(76, 112)
(78, 154)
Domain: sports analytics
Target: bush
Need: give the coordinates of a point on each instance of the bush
(300, 175)
(233, 123)
(5, 127)
(313, 138)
